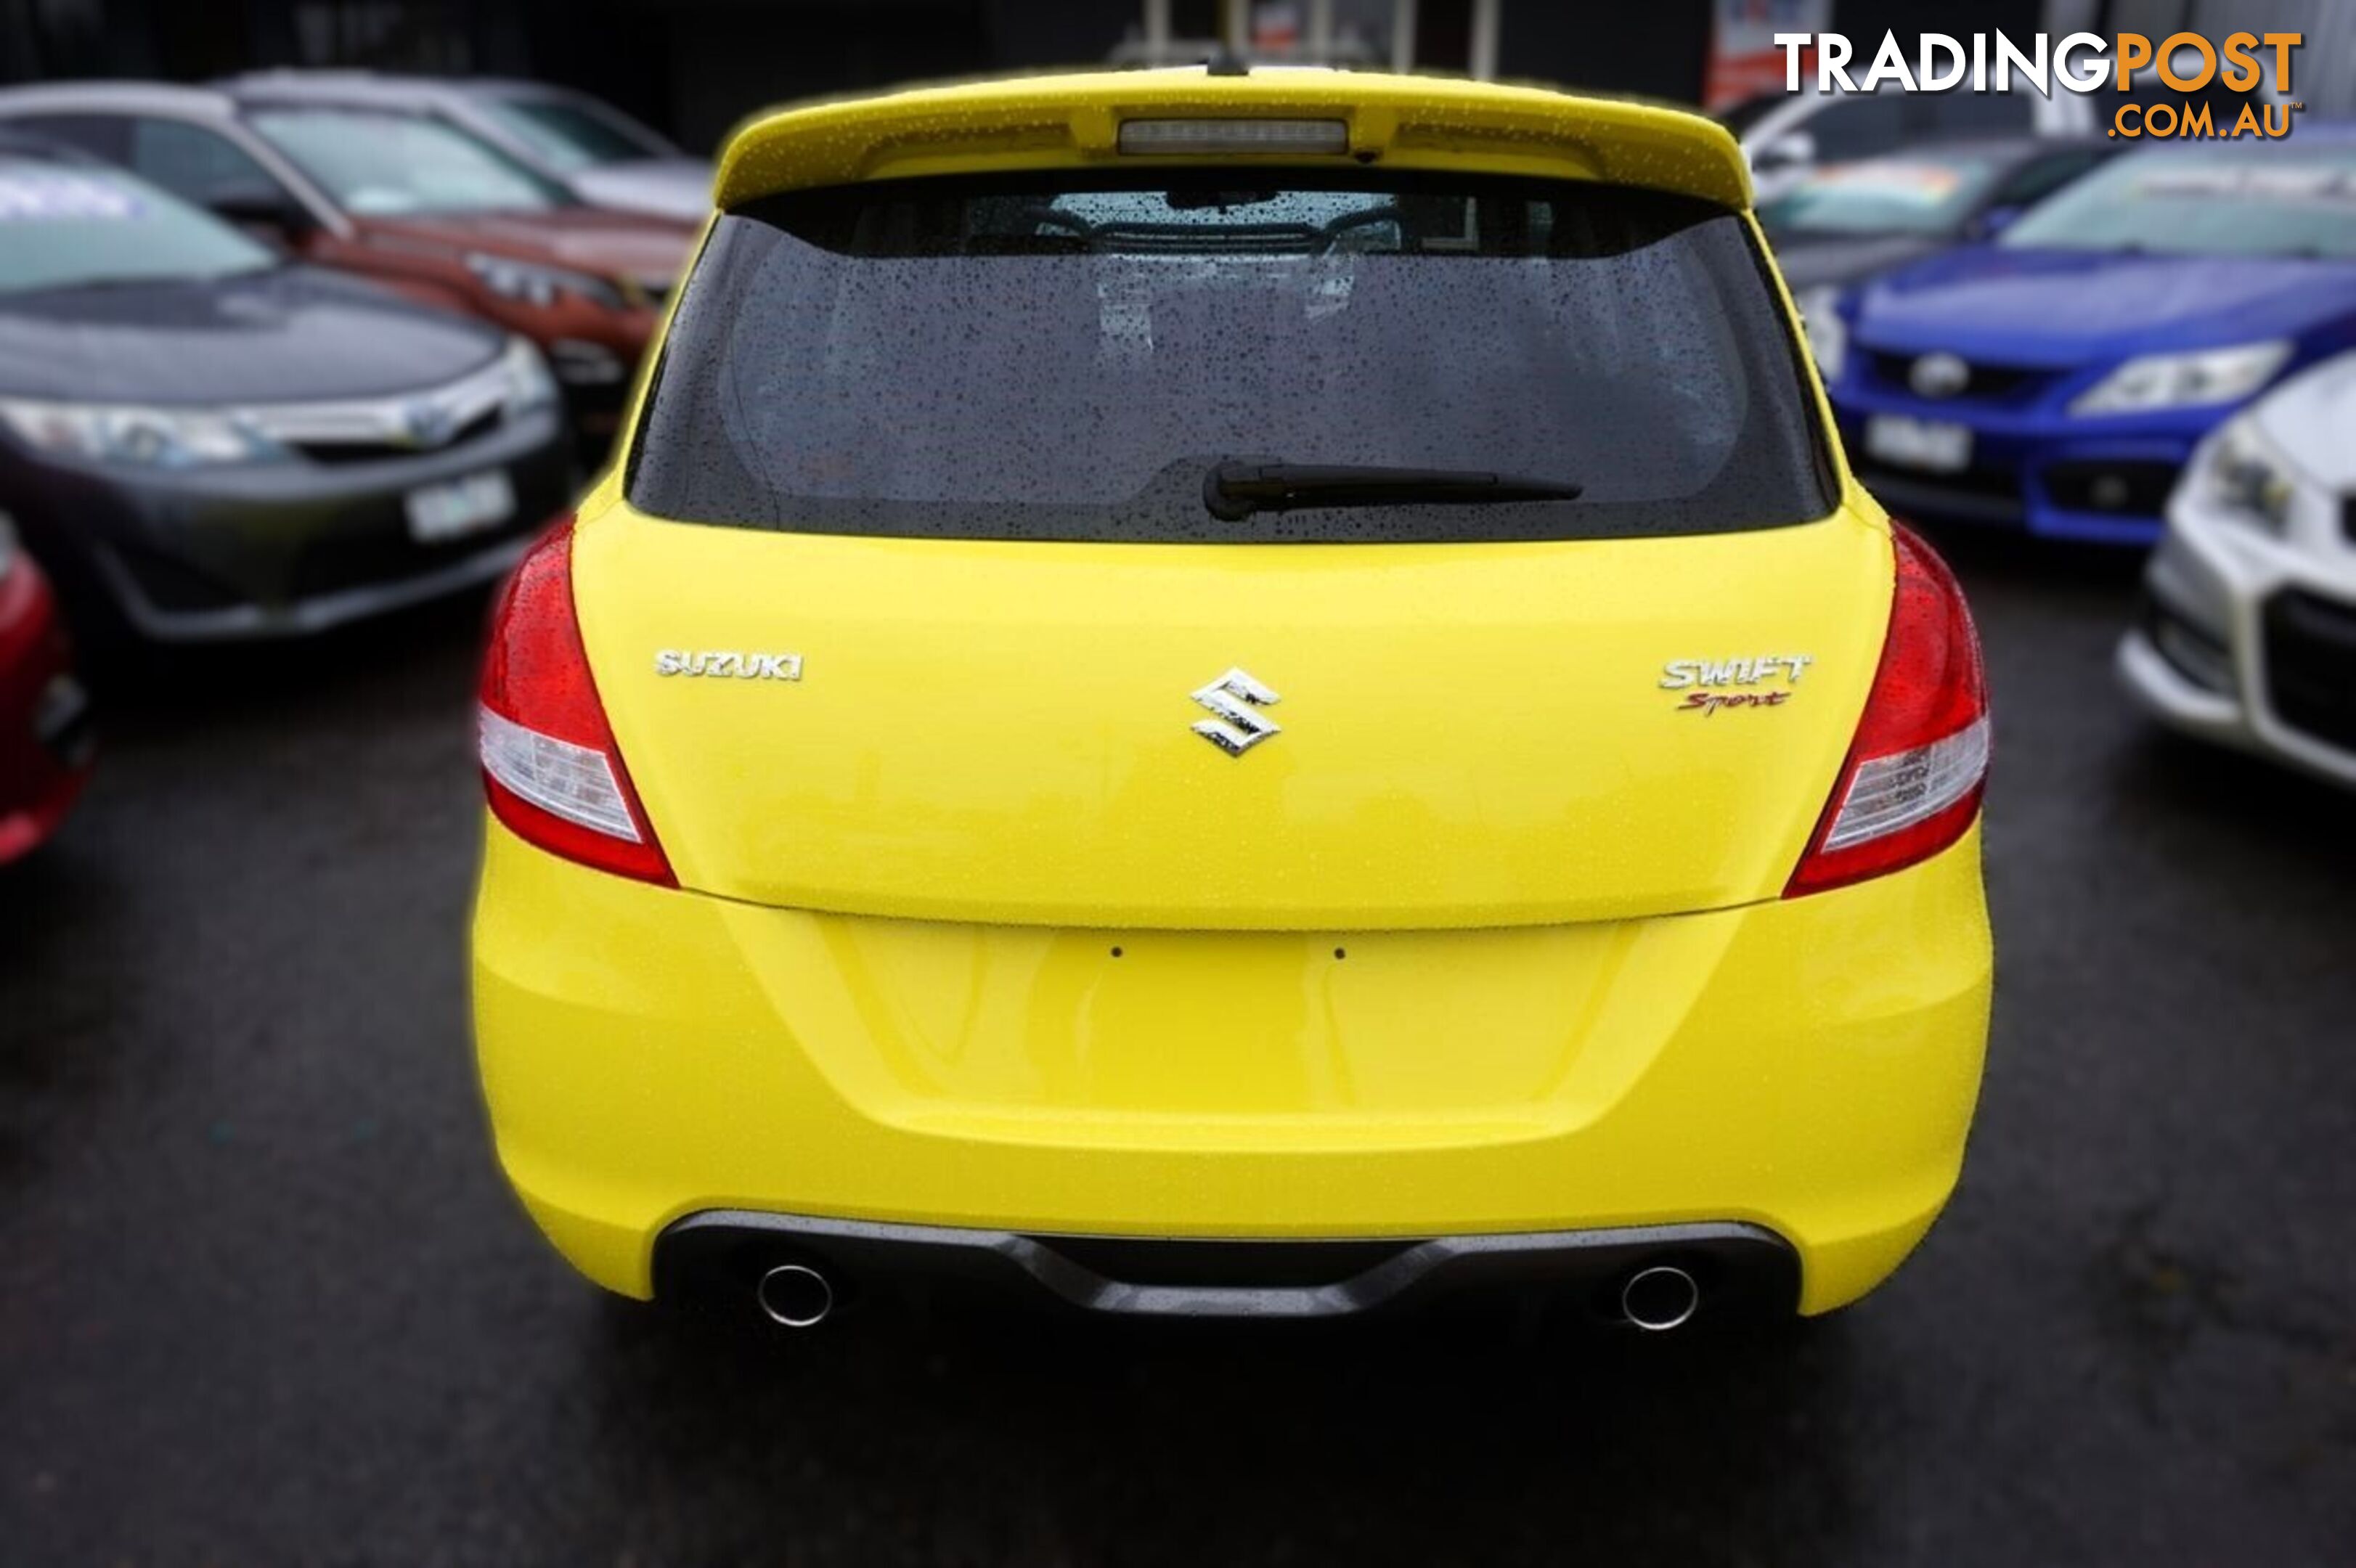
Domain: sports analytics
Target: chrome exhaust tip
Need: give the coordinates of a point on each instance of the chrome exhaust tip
(1659, 1298)
(794, 1296)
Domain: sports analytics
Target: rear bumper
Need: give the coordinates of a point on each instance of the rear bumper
(1741, 1272)
(1808, 1067)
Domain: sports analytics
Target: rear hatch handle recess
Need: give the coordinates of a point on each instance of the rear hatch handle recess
(1234, 491)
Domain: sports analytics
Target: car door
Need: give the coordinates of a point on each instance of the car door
(106, 136)
(203, 165)
(193, 162)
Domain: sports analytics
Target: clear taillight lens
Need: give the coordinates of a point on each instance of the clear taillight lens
(1890, 794)
(574, 783)
(551, 768)
(1912, 781)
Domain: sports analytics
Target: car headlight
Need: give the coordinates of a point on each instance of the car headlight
(1828, 333)
(528, 384)
(2184, 380)
(139, 437)
(541, 286)
(2244, 475)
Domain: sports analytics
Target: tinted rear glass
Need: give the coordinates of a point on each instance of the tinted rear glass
(1045, 360)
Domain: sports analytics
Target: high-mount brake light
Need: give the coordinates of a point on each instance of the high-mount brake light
(1912, 784)
(1200, 137)
(551, 768)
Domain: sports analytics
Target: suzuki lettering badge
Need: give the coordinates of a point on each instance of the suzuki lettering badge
(1234, 696)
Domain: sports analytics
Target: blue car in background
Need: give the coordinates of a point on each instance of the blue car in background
(2060, 377)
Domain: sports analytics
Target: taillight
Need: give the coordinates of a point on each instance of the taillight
(1912, 781)
(550, 765)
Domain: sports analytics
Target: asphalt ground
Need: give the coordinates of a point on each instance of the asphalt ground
(265, 1299)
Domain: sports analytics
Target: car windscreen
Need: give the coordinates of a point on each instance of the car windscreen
(570, 136)
(67, 226)
(389, 164)
(1910, 196)
(2272, 198)
(1071, 357)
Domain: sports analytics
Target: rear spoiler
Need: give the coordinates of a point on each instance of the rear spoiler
(1393, 122)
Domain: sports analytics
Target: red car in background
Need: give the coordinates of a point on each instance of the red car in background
(415, 204)
(45, 735)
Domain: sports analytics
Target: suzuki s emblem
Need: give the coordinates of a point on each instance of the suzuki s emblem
(1939, 376)
(1235, 698)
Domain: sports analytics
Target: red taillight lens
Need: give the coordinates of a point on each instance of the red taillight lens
(1912, 781)
(550, 765)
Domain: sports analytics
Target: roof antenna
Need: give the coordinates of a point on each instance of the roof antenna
(1225, 61)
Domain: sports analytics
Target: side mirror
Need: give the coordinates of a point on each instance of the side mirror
(1792, 150)
(1994, 221)
(268, 215)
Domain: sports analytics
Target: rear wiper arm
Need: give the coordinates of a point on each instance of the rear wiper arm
(1234, 491)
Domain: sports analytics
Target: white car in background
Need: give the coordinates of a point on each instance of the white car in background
(2248, 634)
(1787, 135)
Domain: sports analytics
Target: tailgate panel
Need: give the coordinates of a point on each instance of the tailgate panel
(1003, 731)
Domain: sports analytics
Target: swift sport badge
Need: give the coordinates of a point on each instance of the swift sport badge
(1696, 677)
(728, 665)
(1234, 696)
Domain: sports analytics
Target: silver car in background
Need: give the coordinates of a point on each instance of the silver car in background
(604, 158)
(2248, 634)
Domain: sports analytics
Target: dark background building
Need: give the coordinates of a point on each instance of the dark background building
(695, 66)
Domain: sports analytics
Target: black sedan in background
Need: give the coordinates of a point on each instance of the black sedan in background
(1846, 223)
(202, 440)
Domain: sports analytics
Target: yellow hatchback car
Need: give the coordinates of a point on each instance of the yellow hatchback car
(1234, 695)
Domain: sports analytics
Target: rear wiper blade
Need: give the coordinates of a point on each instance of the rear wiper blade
(1234, 491)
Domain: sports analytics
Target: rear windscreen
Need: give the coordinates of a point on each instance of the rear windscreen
(1068, 356)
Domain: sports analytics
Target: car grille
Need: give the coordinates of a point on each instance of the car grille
(2127, 489)
(386, 555)
(342, 452)
(2311, 665)
(363, 430)
(1987, 382)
